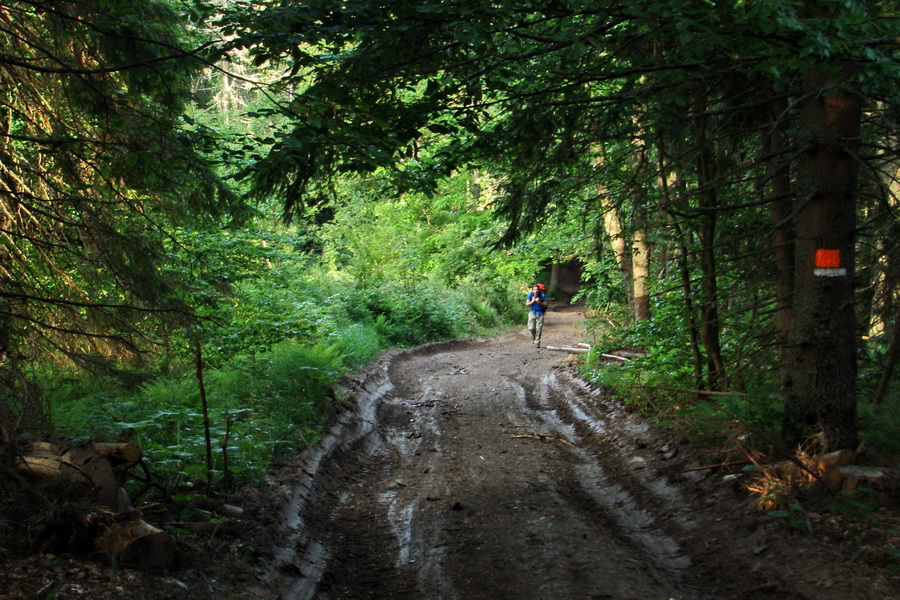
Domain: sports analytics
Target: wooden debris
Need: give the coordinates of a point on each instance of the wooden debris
(664, 388)
(570, 349)
(220, 508)
(138, 543)
(543, 438)
(26, 487)
(875, 477)
(628, 354)
(112, 533)
(835, 471)
(829, 467)
(124, 453)
(718, 467)
(76, 463)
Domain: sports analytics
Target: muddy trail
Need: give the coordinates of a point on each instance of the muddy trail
(485, 469)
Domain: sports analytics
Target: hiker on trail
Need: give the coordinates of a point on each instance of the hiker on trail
(536, 301)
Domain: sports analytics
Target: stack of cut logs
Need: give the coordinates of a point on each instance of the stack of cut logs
(102, 469)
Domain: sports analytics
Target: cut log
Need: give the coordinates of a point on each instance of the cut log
(829, 466)
(125, 453)
(883, 479)
(138, 543)
(76, 463)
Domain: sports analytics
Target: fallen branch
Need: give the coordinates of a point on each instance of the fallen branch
(719, 466)
(569, 349)
(26, 487)
(543, 438)
(220, 508)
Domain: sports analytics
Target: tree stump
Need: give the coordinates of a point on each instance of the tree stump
(139, 544)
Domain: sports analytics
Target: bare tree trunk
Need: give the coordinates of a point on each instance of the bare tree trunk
(890, 360)
(709, 304)
(782, 238)
(204, 405)
(554, 278)
(821, 383)
(684, 269)
(612, 225)
(640, 261)
(693, 333)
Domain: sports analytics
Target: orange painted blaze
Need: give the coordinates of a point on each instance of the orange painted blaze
(828, 259)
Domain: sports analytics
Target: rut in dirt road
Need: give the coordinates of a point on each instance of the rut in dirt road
(485, 469)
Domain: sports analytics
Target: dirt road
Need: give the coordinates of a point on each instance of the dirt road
(485, 469)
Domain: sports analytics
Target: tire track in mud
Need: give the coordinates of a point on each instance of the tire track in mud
(435, 487)
(487, 469)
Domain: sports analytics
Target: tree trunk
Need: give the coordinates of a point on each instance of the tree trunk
(640, 261)
(683, 267)
(890, 360)
(821, 381)
(553, 288)
(709, 302)
(693, 333)
(782, 238)
(612, 225)
(640, 244)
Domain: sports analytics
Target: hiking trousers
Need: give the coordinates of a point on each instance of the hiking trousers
(535, 326)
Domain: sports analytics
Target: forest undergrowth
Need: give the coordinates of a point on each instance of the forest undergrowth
(269, 389)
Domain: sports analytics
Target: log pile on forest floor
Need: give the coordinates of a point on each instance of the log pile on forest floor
(71, 498)
(832, 472)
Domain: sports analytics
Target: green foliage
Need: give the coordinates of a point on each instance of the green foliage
(279, 329)
(859, 503)
(264, 405)
(729, 417)
(794, 516)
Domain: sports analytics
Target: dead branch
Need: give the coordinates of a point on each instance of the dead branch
(569, 349)
(543, 438)
(26, 487)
